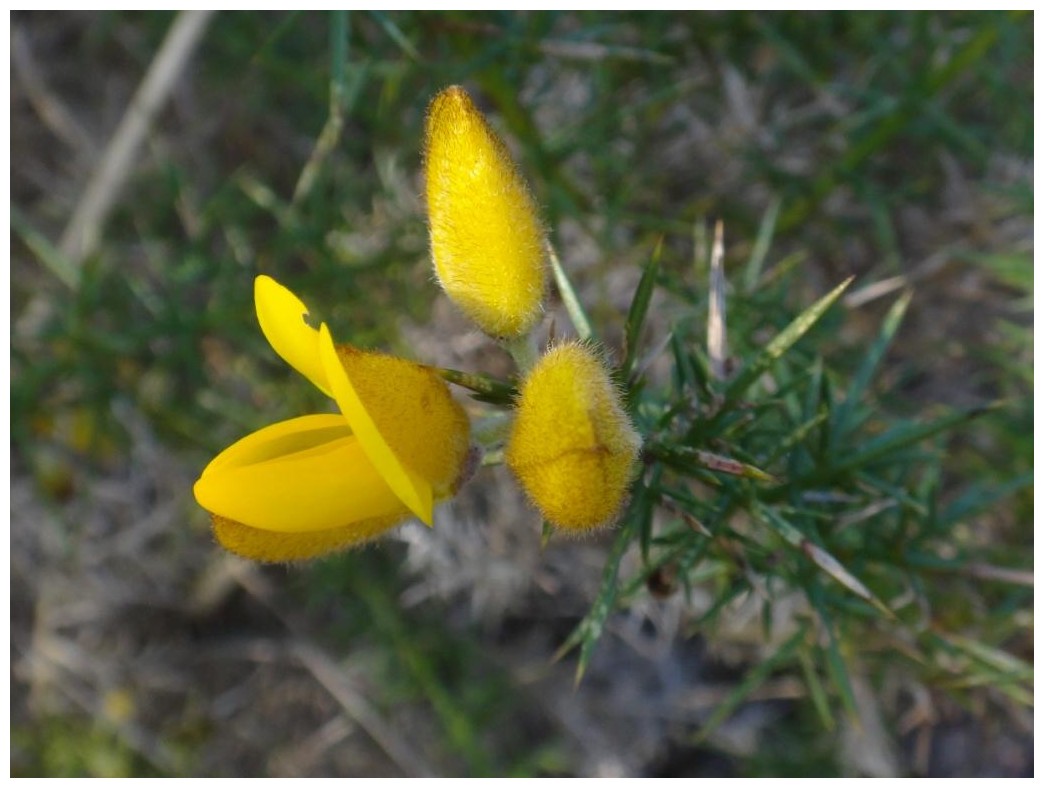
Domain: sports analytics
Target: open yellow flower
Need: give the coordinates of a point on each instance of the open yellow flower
(487, 242)
(315, 484)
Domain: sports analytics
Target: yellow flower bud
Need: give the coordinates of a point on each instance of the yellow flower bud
(572, 446)
(486, 240)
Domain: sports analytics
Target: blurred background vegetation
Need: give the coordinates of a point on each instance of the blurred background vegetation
(895, 147)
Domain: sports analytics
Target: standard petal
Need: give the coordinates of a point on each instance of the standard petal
(412, 489)
(281, 439)
(282, 318)
(311, 487)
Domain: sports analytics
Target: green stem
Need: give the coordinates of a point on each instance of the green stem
(522, 351)
(492, 389)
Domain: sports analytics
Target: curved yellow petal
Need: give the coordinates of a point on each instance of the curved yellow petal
(413, 490)
(415, 413)
(282, 318)
(281, 438)
(296, 482)
(275, 546)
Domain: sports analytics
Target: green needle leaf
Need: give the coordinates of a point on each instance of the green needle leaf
(589, 630)
(906, 435)
(815, 689)
(835, 662)
(781, 344)
(569, 297)
(485, 388)
(686, 457)
(546, 532)
(761, 246)
(842, 415)
(753, 680)
(821, 558)
(639, 309)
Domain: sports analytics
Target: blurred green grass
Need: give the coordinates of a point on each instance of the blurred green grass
(886, 138)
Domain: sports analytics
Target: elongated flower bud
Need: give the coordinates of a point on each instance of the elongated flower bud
(486, 240)
(572, 446)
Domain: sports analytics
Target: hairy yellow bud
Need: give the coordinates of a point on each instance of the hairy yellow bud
(572, 446)
(486, 239)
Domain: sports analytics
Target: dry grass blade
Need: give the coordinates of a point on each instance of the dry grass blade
(572, 302)
(717, 338)
(359, 709)
(51, 109)
(332, 678)
(83, 232)
(1000, 574)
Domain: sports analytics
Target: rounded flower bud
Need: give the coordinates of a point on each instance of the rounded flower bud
(572, 446)
(487, 242)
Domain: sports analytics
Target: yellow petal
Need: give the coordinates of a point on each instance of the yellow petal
(314, 478)
(411, 488)
(274, 546)
(415, 413)
(280, 439)
(282, 318)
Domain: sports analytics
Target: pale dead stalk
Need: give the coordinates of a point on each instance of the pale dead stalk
(83, 232)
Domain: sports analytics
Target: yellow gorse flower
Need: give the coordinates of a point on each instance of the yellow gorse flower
(572, 446)
(487, 242)
(314, 484)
